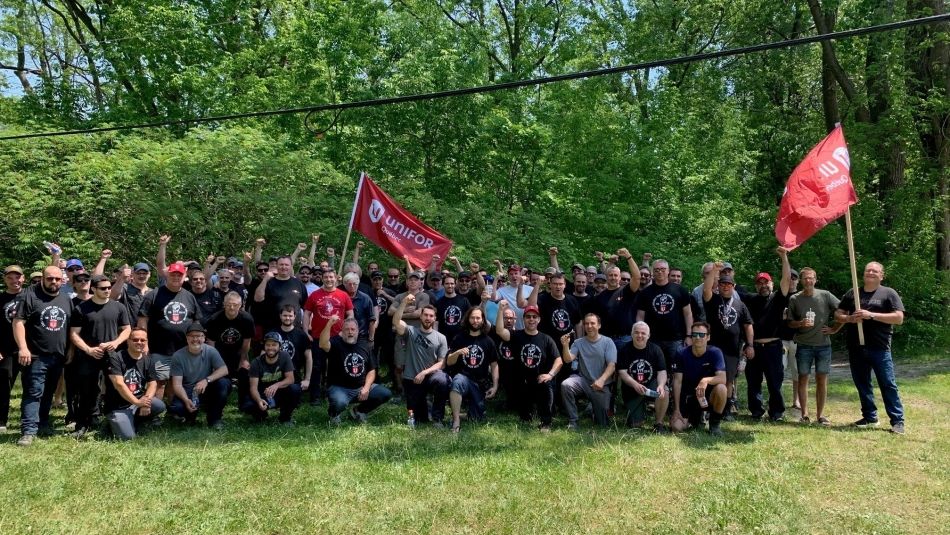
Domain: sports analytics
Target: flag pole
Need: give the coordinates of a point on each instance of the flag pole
(854, 272)
(349, 231)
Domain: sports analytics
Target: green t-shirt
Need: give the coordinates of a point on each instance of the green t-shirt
(823, 303)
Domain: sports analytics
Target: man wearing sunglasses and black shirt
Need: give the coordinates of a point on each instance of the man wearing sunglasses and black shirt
(699, 383)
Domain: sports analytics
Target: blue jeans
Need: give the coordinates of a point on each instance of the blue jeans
(472, 393)
(212, 401)
(125, 421)
(39, 384)
(863, 361)
(805, 355)
(339, 398)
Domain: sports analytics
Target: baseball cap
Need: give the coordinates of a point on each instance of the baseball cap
(141, 266)
(600, 277)
(36, 274)
(74, 263)
(727, 265)
(418, 274)
(532, 309)
(465, 275)
(177, 267)
(763, 275)
(376, 275)
(193, 265)
(13, 268)
(577, 265)
(274, 336)
(726, 279)
(794, 274)
(435, 276)
(195, 327)
(550, 271)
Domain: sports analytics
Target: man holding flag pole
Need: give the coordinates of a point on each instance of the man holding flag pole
(818, 192)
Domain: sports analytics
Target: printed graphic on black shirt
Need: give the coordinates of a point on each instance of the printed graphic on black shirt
(9, 311)
(354, 364)
(134, 381)
(727, 315)
(176, 313)
(475, 356)
(453, 315)
(230, 336)
(663, 303)
(531, 355)
(53, 318)
(561, 319)
(287, 346)
(641, 370)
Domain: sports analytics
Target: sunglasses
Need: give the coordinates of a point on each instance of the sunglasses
(103, 288)
(698, 335)
(261, 270)
(80, 281)
(625, 279)
(53, 279)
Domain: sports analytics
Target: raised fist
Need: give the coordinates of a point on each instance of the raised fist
(164, 239)
(106, 253)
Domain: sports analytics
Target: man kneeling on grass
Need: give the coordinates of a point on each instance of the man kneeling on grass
(351, 372)
(130, 391)
(473, 365)
(699, 383)
(199, 378)
(272, 383)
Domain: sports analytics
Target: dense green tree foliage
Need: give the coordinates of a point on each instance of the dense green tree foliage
(687, 162)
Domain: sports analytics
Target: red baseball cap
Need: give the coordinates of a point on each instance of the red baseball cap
(532, 309)
(177, 267)
(763, 275)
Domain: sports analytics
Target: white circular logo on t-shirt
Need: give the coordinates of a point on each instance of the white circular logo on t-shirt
(475, 356)
(288, 346)
(354, 363)
(230, 336)
(9, 310)
(53, 318)
(727, 315)
(531, 355)
(176, 313)
(641, 370)
(663, 303)
(452, 315)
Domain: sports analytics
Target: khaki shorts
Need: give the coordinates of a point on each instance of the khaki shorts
(788, 359)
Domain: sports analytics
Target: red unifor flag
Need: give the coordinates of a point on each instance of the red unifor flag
(818, 191)
(387, 224)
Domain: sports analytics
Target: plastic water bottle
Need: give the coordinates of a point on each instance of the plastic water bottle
(490, 288)
(52, 248)
(650, 393)
(703, 402)
(411, 422)
(271, 402)
(195, 399)
(742, 365)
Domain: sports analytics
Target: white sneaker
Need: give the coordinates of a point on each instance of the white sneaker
(357, 415)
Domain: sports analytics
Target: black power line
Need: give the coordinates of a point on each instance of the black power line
(513, 84)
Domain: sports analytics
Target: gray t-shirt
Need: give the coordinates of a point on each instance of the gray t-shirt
(422, 350)
(593, 357)
(422, 299)
(823, 303)
(193, 368)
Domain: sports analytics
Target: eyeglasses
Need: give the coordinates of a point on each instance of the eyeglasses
(698, 335)
(80, 281)
(261, 270)
(624, 279)
(104, 288)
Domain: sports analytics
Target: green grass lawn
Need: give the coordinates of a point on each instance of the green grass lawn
(496, 478)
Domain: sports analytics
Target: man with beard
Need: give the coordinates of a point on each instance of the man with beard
(272, 383)
(473, 365)
(304, 273)
(665, 307)
(130, 399)
(508, 366)
(411, 314)
(469, 287)
(730, 329)
(132, 293)
(642, 372)
(597, 358)
(767, 308)
(199, 378)
(383, 341)
(166, 313)
(230, 332)
(40, 329)
(809, 313)
(424, 362)
(616, 306)
(450, 309)
(538, 363)
(351, 373)
(13, 282)
(204, 295)
(295, 342)
(323, 304)
(580, 288)
(100, 325)
(277, 289)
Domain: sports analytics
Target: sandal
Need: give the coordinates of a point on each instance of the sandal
(805, 420)
(824, 421)
(456, 428)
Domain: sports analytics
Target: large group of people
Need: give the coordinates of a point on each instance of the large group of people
(617, 337)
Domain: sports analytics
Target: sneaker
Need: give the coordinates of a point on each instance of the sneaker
(572, 426)
(437, 424)
(357, 415)
(48, 431)
(79, 433)
(336, 420)
(660, 429)
(26, 440)
(3, 429)
(544, 428)
(217, 426)
(824, 421)
(898, 428)
(864, 422)
(288, 423)
(777, 419)
(715, 430)
(757, 415)
(730, 417)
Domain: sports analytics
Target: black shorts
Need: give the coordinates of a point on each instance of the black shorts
(690, 408)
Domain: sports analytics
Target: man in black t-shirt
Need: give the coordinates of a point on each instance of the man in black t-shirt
(13, 280)
(450, 309)
(665, 307)
(538, 360)
(642, 371)
(767, 308)
(230, 331)
(167, 312)
(100, 325)
(278, 288)
(41, 329)
(296, 343)
(351, 372)
(272, 383)
(730, 326)
(384, 340)
(877, 310)
(508, 367)
(129, 398)
(204, 295)
(472, 362)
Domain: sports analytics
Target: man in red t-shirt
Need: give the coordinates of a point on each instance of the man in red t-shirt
(326, 302)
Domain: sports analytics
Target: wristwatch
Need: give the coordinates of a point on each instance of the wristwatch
(208, 379)
(871, 317)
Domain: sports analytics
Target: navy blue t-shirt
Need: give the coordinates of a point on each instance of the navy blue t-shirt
(694, 368)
